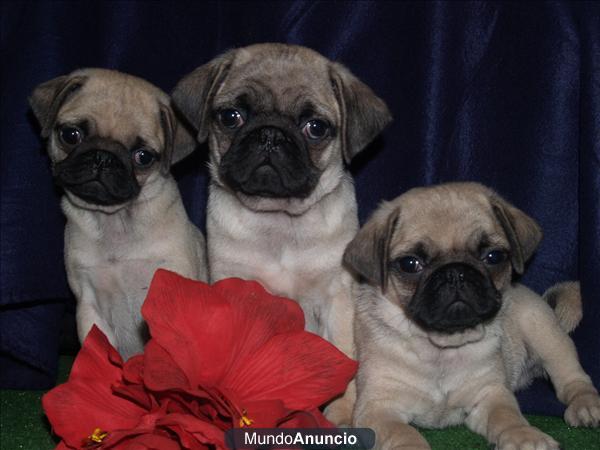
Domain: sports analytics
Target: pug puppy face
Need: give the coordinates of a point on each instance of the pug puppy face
(281, 121)
(444, 254)
(110, 136)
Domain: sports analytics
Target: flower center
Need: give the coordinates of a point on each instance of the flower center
(245, 421)
(95, 439)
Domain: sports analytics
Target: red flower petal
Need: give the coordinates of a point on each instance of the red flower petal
(135, 393)
(76, 409)
(264, 414)
(133, 369)
(88, 397)
(148, 442)
(192, 323)
(218, 350)
(302, 369)
(161, 371)
(162, 375)
(306, 419)
(97, 360)
(186, 426)
(257, 316)
(207, 329)
(260, 310)
(189, 441)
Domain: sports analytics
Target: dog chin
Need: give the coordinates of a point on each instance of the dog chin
(293, 206)
(83, 204)
(457, 339)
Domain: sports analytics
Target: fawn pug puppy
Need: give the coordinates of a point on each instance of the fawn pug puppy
(282, 122)
(112, 139)
(443, 335)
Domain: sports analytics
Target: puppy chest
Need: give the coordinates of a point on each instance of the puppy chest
(440, 384)
(284, 270)
(114, 282)
(437, 405)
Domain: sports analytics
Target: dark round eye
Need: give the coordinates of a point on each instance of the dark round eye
(70, 135)
(315, 129)
(143, 157)
(231, 118)
(494, 257)
(409, 264)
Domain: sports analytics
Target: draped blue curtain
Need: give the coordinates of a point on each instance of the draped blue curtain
(507, 94)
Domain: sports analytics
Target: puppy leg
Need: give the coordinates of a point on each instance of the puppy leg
(384, 414)
(338, 329)
(86, 316)
(496, 415)
(543, 335)
(339, 411)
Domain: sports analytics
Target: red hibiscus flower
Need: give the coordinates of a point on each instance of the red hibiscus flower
(220, 357)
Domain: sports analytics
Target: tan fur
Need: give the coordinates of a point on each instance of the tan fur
(408, 375)
(111, 252)
(293, 246)
(568, 308)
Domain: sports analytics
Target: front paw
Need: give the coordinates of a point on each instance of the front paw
(584, 411)
(339, 412)
(525, 438)
(412, 440)
(405, 446)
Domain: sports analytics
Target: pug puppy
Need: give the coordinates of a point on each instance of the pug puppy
(444, 336)
(282, 122)
(112, 138)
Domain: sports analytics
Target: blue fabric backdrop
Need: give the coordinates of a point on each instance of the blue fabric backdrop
(503, 93)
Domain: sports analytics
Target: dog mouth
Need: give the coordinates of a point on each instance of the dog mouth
(270, 180)
(98, 177)
(458, 308)
(454, 298)
(98, 193)
(269, 162)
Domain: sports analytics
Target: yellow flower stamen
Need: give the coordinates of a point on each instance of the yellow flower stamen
(245, 421)
(98, 435)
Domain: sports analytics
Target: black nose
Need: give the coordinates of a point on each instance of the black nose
(270, 138)
(105, 160)
(455, 276)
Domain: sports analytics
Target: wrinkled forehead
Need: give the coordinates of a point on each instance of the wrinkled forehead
(291, 83)
(117, 109)
(446, 223)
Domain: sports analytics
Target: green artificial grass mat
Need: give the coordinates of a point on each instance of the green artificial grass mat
(24, 427)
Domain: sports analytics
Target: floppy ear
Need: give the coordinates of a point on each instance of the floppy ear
(523, 233)
(179, 140)
(194, 93)
(364, 114)
(368, 253)
(48, 97)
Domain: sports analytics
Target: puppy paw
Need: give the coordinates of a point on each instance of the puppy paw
(404, 442)
(526, 438)
(339, 412)
(402, 437)
(406, 446)
(584, 411)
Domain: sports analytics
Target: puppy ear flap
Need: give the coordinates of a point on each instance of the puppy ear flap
(179, 140)
(48, 97)
(193, 95)
(364, 115)
(523, 233)
(368, 253)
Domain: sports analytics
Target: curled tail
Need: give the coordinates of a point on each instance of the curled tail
(565, 299)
